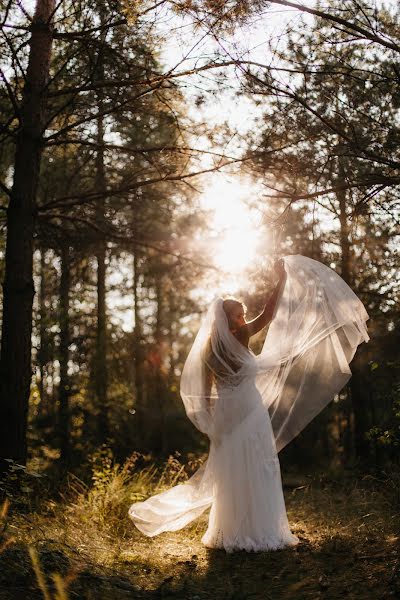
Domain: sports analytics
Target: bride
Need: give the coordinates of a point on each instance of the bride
(251, 406)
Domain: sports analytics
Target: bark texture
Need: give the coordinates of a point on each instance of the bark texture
(357, 394)
(101, 341)
(18, 288)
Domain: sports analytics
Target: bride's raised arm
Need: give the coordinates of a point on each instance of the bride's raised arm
(265, 317)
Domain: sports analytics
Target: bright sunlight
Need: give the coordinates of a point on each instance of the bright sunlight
(235, 226)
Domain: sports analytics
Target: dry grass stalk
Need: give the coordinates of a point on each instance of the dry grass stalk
(40, 577)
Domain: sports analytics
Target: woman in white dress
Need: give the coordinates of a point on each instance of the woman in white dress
(252, 406)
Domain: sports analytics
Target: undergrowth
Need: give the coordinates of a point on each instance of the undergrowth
(82, 544)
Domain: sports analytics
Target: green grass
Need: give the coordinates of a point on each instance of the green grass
(349, 530)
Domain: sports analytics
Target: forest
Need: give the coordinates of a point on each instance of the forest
(154, 155)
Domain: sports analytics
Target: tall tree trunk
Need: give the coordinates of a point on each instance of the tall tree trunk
(159, 388)
(101, 344)
(64, 390)
(101, 338)
(101, 341)
(42, 336)
(172, 338)
(356, 382)
(137, 348)
(345, 242)
(15, 361)
(359, 400)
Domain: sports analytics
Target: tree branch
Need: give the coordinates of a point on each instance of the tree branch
(334, 19)
(93, 196)
(128, 239)
(10, 94)
(77, 35)
(114, 108)
(377, 180)
(136, 82)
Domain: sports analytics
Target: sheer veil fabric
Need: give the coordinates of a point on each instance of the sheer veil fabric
(252, 406)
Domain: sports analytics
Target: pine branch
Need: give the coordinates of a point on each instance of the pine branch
(78, 35)
(129, 150)
(353, 27)
(113, 235)
(94, 196)
(108, 111)
(377, 180)
(11, 95)
(138, 82)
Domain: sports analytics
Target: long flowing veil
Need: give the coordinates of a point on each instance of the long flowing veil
(316, 328)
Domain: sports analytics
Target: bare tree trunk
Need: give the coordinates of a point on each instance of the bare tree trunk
(357, 392)
(172, 337)
(42, 335)
(359, 400)
(345, 242)
(15, 363)
(64, 390)
(159, 388)
(137, 347)
(101, 342)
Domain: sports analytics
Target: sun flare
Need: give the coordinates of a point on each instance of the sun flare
(236, 250)
(235, 227)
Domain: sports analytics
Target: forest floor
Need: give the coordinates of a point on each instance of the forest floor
(349, 530)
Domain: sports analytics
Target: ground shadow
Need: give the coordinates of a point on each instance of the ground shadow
(85, 580)
(331, 571)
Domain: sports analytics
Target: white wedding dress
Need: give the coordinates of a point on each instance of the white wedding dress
(256, 405)
(248, 509)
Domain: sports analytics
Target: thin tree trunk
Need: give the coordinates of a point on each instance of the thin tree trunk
(356, 382)
(359, 400)
(172, 336)
(345, 242)
(101, 361)
(42, 335)
(137, 347)
(101, 342)
(160, 399)
(18, 288)
(64, 390)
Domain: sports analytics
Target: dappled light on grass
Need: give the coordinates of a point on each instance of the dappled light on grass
(348, 529)
(336, 539)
